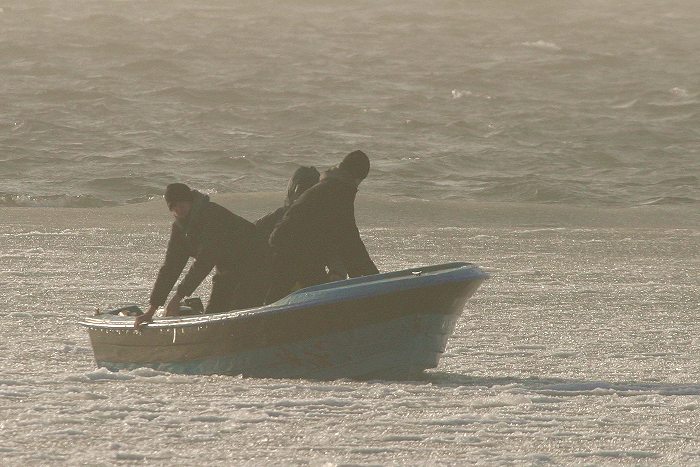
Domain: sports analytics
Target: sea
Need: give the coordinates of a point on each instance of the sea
(555, 143)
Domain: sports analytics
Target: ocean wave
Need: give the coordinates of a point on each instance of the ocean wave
(119, 48)
(59, 95)
(34, 127)
(13, 50)
(669, 200)
(126, 187)
(200, 96)
(540, 44)
(685, 180)
(669, 101)
(103, 21)
(53, 201)
(529, 188)
(152, 66)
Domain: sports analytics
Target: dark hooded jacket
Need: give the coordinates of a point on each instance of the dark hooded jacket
(214, 237)
(302, 179)
(320, 226)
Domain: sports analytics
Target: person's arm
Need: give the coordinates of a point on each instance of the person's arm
(351, 247)
(336, 268)
(171, 310)
(175, 260)
(266, 224)
(147, 317)
(281, 233)
(173, 307)
(213, 244)
(201, 267)
(356, 257)
(287, 228)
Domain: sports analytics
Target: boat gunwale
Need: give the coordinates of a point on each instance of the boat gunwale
(420, 277)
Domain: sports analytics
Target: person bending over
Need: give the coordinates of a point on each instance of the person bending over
(216, 238)
(302, 179)
(318, 228)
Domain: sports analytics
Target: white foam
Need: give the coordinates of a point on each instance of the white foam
(679, 92)
(101, 374)
(540, 44)
(458, 94)
(505, 400)
(329, 402)
(148, 373)
(458, 421)
(37, 233)
(208, 419)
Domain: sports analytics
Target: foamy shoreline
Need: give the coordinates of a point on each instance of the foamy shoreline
(378, 211)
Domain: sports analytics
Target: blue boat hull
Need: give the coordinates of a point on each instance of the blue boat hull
(387, 326)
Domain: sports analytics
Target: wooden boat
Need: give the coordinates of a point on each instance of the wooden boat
(392, 325)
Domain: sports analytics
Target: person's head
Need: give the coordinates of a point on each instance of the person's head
(302, 179)
(357, 164)
(179, 197)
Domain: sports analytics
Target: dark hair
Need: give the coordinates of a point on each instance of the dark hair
(302, 179)
(357, 163)
(177, 192)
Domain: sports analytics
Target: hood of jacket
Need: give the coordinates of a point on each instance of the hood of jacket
(343, 176)
(199, 204)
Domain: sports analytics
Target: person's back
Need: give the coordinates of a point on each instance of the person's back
(225, 240)
(318, 227)
(301, 180)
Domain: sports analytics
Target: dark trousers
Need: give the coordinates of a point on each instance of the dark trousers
(290, 274)
(229, 292)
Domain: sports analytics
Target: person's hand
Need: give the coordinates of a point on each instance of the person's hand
(173, 308)
(147, 317)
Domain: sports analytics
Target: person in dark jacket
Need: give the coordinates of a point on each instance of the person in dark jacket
(318, 228)
(215, 238)
(302, 179)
